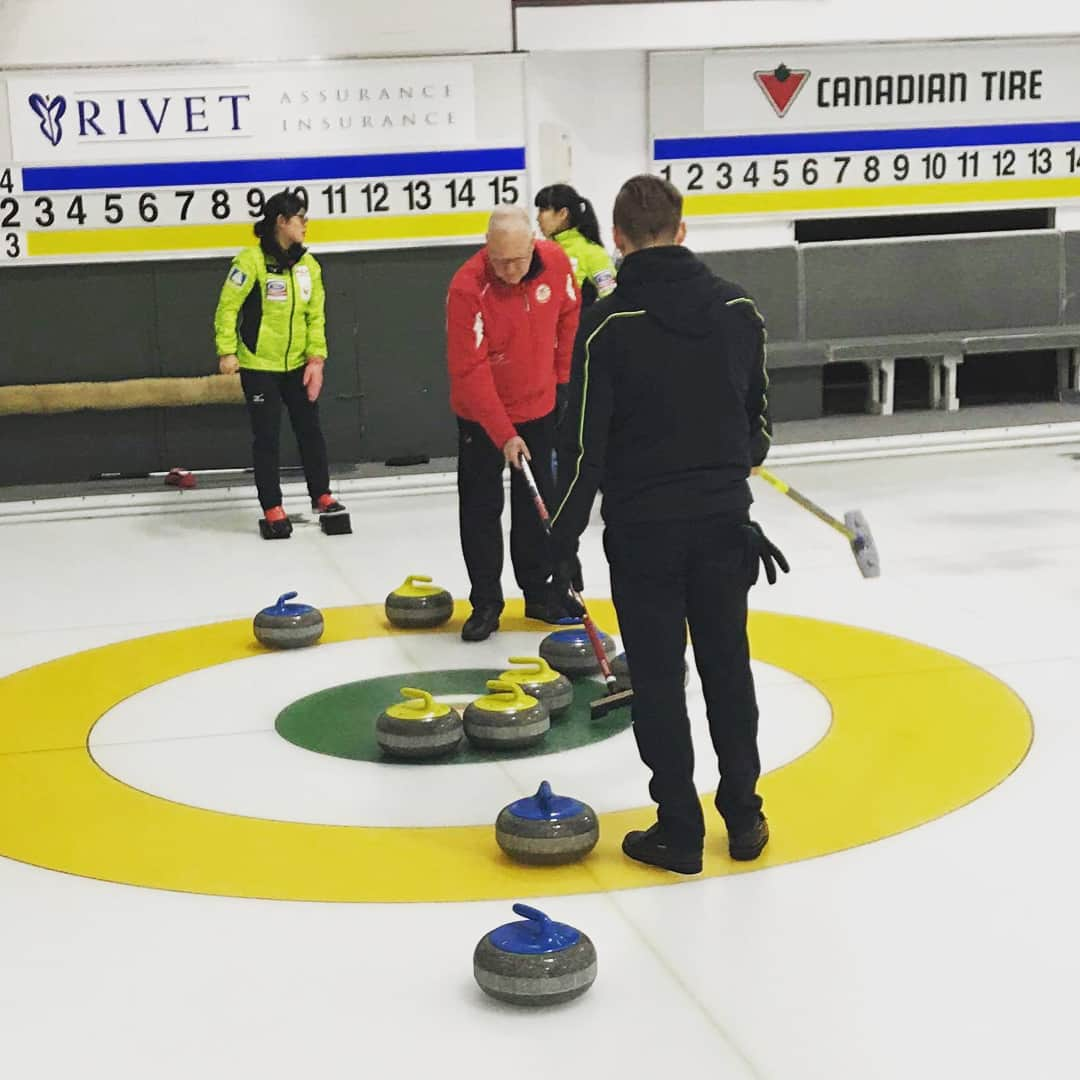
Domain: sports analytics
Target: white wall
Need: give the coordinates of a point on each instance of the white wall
(49, 33)
(597, 103)
(729, 23)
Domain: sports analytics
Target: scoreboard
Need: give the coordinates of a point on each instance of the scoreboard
(134, 165)
(793, 132)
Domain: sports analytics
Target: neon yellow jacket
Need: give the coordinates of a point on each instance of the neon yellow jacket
(593, 268)
(272, 317)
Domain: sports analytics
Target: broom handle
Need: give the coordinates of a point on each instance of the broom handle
(803, 501)
(590, 626)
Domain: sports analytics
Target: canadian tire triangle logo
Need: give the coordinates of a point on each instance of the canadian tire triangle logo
(781, 86)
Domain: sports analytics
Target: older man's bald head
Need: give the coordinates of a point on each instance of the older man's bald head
(510, 243)
(509, 219)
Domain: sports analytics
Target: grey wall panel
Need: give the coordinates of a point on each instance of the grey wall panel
(340, 403)
(75, 446)
(186, 294)
(401, 343)
(74, 323)
(923, 286)
(795, 394)
(1071, 299)
(216, 437)
(771, 276)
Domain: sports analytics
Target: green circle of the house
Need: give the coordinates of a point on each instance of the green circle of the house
(340, 721)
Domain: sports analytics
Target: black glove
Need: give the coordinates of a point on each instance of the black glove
(764, 553)
(565, 576)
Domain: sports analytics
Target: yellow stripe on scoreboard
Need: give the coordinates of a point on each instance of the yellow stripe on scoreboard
(990, 191)
(230, 235)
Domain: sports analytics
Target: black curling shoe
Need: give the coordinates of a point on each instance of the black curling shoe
(748, 844)
(654, 848)
(481, 624)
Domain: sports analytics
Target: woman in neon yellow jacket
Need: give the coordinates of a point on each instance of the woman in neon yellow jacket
(270, 324)
(569, 219)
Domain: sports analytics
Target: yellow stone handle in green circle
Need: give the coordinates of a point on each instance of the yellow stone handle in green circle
(419, 700)
(512, 690)
(538, 666)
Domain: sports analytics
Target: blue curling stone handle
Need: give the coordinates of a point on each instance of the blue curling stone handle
(545, 805)
(283, 608)
(536, 935)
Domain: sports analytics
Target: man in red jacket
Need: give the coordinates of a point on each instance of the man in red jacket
(511, 315)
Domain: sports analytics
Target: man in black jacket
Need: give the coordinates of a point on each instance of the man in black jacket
(668, 415)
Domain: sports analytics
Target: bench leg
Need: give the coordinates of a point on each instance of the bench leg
(934, 370)
(1064, 364)
(943, 381)
(950, 364)
(882, 386)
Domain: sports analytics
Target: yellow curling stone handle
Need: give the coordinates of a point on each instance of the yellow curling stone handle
(538, 671)
(410, 587)
(506, 696)
(420, 706)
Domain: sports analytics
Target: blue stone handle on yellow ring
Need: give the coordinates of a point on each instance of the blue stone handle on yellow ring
(915, 734)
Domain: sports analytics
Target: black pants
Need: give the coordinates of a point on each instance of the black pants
(480, 506)
(264, 392)
(663, 576)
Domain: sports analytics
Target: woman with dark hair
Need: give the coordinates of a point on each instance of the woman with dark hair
(270, 324)
(569, 219)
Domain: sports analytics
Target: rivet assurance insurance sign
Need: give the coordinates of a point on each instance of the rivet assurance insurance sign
(157, 163)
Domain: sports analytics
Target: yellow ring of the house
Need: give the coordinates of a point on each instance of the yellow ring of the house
(915, 733)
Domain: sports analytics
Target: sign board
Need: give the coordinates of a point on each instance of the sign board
(840, 130)
(173, 162)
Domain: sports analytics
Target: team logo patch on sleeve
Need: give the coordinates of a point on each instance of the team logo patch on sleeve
(570, 287)
(543, 294)
(604, 280)
(237, 277)
(276, 289)
(303, 281)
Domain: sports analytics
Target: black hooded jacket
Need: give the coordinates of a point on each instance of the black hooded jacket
(667, 409)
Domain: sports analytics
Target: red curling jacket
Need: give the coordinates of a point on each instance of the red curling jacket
(508, 345)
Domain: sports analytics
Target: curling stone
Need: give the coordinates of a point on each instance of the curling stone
(538, 680)
(620, 668)
(418, 728)
(507, 719)
(288, 626)
(571, 652)
(534, 962)
(411, 606)
(547, 829)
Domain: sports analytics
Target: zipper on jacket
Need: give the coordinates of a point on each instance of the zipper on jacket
(292, 314)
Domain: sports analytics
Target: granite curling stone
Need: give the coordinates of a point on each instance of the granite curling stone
(620, 668)
(506, 719)
(413, 606)
(570, 651)
(534, 962)
(420, 727)
(547, 829)
(538, 680)
(288, 626)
